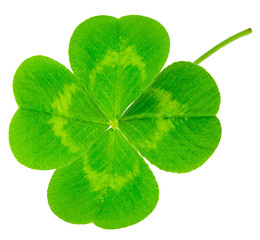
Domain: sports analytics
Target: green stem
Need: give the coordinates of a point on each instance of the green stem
(222, 44)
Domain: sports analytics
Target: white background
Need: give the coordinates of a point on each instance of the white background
(221, 199)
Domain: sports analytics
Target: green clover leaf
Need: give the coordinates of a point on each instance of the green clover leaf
(81, 124)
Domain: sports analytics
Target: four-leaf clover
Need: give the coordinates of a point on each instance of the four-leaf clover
(95, 124)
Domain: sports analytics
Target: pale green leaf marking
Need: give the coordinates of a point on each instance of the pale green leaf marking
(63, 102)
(113, 148)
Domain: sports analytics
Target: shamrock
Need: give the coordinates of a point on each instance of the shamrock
(96, 124)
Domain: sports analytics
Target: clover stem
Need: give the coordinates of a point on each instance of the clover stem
(223, 44)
